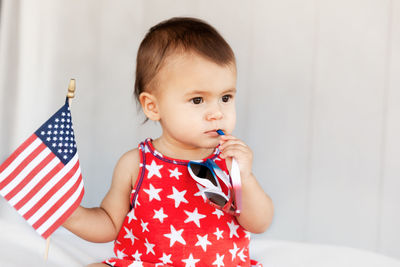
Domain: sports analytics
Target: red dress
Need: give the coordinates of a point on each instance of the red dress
(170, 224)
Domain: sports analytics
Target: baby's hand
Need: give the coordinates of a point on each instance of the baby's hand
(230, 147)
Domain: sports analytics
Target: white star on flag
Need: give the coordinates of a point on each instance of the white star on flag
(175, 236)
(166, 258)
(241, 255)
(129, 235)
(233, 229)
(178, 196)
(190, 262)
(159, 214)
(218, 233)
(149, 247)
(175, 173)
(194, 217)
(137, 255)
(203, 242)
(154, 169)
(219, 261)
(234, 251)
(218, 212)
(153, 193)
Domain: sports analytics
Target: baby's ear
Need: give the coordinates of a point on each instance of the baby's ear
(149, 106)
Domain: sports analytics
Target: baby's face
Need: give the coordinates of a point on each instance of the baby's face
(195, 98)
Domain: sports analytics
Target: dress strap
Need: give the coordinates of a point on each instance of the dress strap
(142, 171)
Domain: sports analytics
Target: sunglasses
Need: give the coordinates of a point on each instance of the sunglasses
(209, 175)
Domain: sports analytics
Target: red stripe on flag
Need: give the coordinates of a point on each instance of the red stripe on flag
(65, 216)
(18, 151)
(23, 165)
(57, 205)
(30, 176)
(39, 186)
(51, 192)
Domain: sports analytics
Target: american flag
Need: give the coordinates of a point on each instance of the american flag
(42, 178)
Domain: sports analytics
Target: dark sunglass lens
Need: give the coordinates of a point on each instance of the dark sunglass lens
(216, 199)
(203, 172)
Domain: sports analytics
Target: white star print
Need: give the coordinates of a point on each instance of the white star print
(166, 258)
(247, 234)
(219, 261)
(130, 235)
(178, 196)
(218, 212)
(175, 236)
(149, 247)
(234, 251)
(159, 214)
(137, 255)
(175, 173)
(154, 169)
(190, 262)
(131, 215)
(201, 192)
(233, 229)
(203, 242)
(136, 264)
(241, 255)
(194, 217)
(218, 233)
(144, 226)
(153, 193)
(121, 254)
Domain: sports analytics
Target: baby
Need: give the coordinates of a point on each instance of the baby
(156, 210)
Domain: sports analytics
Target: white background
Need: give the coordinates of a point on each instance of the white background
(318, 100)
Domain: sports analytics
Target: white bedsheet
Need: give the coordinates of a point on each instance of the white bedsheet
(21, 246)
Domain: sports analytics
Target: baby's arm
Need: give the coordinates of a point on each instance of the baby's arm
(102, 224)
(257, 207)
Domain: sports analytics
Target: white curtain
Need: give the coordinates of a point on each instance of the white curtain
(318, 102)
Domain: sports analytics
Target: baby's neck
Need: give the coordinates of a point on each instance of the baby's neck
(177, 150)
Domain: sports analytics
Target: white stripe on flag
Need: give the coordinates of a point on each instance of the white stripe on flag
(35, 180)
(47, 224)
(50, 184)
(17, 161)
(54, 198)
(21, 176)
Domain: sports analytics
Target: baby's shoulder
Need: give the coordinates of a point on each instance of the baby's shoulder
(128, 165)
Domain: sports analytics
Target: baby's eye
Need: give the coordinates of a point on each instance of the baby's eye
(197, 100)
(226, 98)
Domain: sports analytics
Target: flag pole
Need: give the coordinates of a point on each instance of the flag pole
(70, 95)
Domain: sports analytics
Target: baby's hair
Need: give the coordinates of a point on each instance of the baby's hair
(179, 34)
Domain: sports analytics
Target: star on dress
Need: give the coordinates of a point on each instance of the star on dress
(175, 173)
(144, 226)
(203, 242)
(159, 214)
(194, 217)
(242, 256)
(121, 254)
(219, 260)
(175, 236)
(218, 233)
(137, 255)
(149, 247)
(131, 215)
(233, 229)
(190, 262)
(153, 193)
(234, 251)
(218, 212)
(178, 196)
(154, 169)
(166, 258)
(129, 235)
